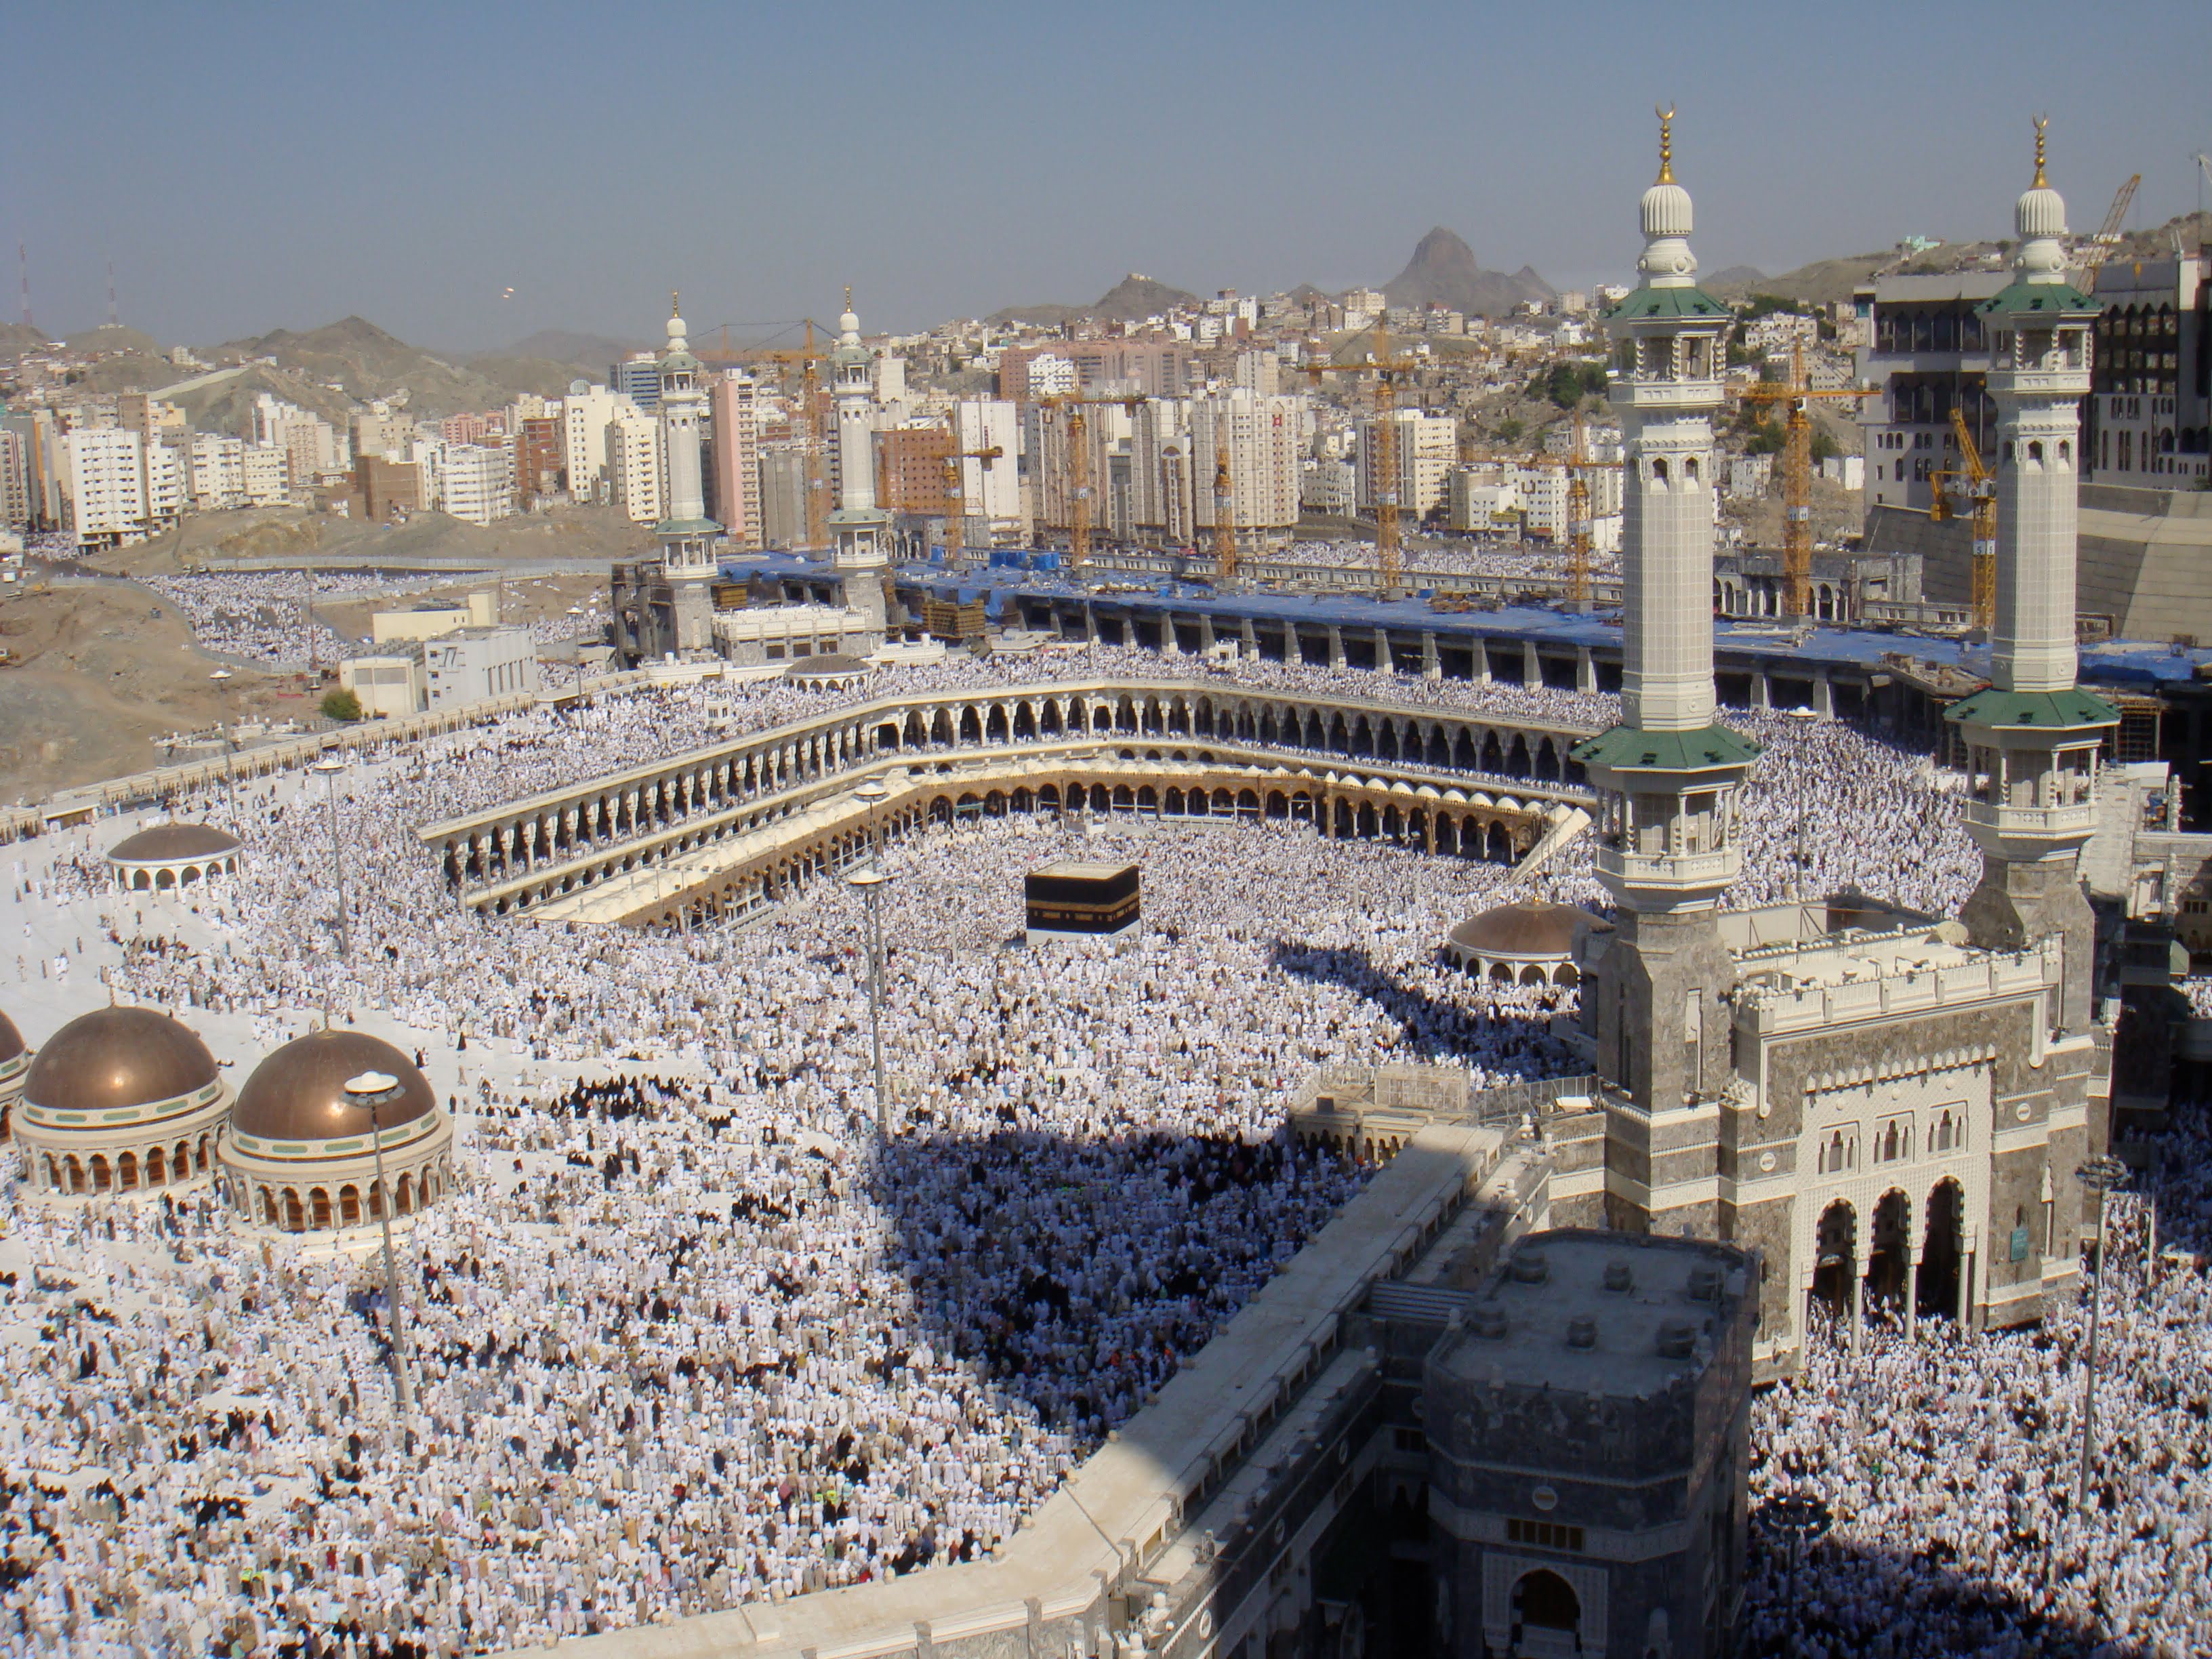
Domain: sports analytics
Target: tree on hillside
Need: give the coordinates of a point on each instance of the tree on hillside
(342, 706)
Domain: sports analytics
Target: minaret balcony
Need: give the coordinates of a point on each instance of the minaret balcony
(1683, 874)
(2017, 832)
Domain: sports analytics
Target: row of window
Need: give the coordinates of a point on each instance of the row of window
(1892, 1141)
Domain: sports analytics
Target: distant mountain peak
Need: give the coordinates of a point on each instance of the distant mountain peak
(1444, 271)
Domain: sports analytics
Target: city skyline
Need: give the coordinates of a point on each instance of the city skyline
(245, 174)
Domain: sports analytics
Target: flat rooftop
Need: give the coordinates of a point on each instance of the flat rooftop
(1553, 1283)
(1079, 870)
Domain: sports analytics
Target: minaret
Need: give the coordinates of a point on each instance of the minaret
(2032, 736)
(860, 531)
(687, 534)
(1668, 774)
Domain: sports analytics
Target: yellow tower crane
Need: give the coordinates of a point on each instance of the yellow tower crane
(1796, 474)
(1078, 469)
(1224, 516)
(1389, 559)
(1978, 486)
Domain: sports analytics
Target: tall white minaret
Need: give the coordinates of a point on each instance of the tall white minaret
(1668, 774)
(860, 530)
(2032, 736)
(687, 534)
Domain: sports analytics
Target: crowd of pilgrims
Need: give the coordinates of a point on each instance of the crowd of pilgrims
(687, 1334)
(1945, 1473)
(263, 615)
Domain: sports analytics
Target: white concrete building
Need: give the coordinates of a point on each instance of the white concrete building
(107, 482)
(217, 479)
(168, 478)
(476, 482)
(1261, 438)
(267, 471)
(1159, 449)
(1427, 449)
(990, 488)
(634, 464)
(586, 413)
(474, 665)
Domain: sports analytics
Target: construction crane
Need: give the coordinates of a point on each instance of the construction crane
(810, 405)
(956, 518)
(1578, 515)
(1078, 469)
(1224, 516)
(1389, 557)
(1980, 491)
(1796, 474)
(2108, 235)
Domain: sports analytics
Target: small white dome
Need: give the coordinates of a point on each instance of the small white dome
(1666, 211)
(2041, 211)
(848, 324)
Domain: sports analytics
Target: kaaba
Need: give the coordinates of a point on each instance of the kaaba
(1075, 900)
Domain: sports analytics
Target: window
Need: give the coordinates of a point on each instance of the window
(1892, 1140)
(1545, 1534)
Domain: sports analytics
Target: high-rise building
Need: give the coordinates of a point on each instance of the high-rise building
(38, 439)
(106, 486)
(1260, 438)
(1924, 351)
(217, 475)
(637, 378)
(389, 488)
(586, 413)
(633, 452)
(539, 461)
(15, 480)
(1427, 448)
(475, 482)
(990, 485)
(1160, 503)
(911, 464)
(734, 412)
(168, 479)
(267, 471)
(2150, 404)
(782, 506)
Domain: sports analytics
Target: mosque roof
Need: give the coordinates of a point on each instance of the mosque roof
(2072, 709)
(118, 1059)
(163, 842)
(2027, 299)
(1664, 304)
(1626, 749)
(1532, 929)
(11, 1040)
(298, 1093)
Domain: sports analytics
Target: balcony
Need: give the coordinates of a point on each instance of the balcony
(2031, 825)
(1680, 872)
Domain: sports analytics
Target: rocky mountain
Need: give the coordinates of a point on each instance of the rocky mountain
(1734, 281)
(1132, 299)
(1444, 270)
(16, 339)
(587, 353)
(361, 360)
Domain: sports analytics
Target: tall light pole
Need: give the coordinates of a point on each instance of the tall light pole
(375, 1091)
(2099, 1175)
(1801, 717)
(870, 881)
(330, 766)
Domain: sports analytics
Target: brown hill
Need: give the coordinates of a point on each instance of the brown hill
(1444, 271)
(361, 360)
(1132, 299)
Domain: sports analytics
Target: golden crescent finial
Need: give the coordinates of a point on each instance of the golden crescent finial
(2041, 122)
(1665, 114)
(675, 303)
(848, 297)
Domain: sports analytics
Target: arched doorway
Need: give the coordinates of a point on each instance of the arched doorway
(1835, 1258)
(1543, 1601)
(1889, 1251)
(1943, 1252)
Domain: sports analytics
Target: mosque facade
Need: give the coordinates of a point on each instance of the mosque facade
(1875, 1102)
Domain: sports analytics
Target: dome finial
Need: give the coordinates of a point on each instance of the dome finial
(1665, 114)
(2041, 183)
(675, 303)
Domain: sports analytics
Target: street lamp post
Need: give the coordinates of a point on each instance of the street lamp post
(329, 767)
(375, 1091)
(1802, 717)
(870, 881)
(2100, 1176)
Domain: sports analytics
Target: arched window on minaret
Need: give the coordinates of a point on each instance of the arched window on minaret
(1659, 471)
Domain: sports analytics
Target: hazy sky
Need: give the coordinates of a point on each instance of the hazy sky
(254, 165)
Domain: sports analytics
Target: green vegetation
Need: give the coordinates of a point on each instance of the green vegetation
(1568, 384)
(1765, 305)
(342, 706)
(1510, 430)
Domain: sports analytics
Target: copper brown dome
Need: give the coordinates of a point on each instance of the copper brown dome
(1522, 930)
(299, 1092)
(113, 1060)
(11, 1040)
(163, 842)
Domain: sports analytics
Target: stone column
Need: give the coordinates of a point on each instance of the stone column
(1433, 666)
(1532, 663)
(1585, 668)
